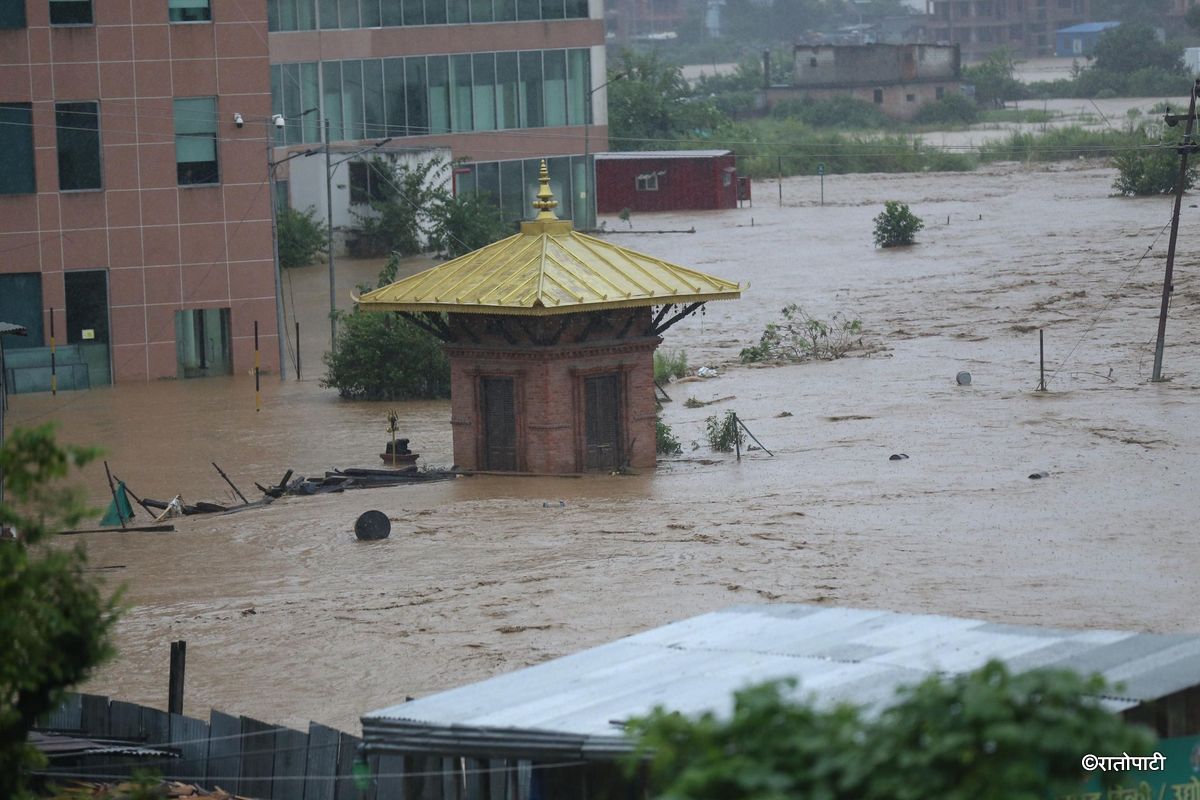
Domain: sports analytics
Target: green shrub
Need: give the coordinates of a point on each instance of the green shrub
(801, 337)
(1059, 144)
(723, 432)
(466, 223)
(836, 112)
(669, 364)
(1150, 170)
(953, 109)
(896, 225)
(301, 237)
(664, 440)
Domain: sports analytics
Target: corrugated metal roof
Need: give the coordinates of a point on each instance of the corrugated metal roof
(1090, 27)
(653, 154)
(62, 745)
(548, 268)
(574, 705)
(16, 330)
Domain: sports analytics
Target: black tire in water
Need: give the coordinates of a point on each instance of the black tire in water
(372, 526)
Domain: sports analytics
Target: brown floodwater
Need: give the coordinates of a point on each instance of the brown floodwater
(288, 618)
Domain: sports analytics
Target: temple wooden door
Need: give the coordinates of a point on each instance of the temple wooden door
(602, 434)
(499, 425)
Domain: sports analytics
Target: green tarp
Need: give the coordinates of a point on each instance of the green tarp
(119, 509)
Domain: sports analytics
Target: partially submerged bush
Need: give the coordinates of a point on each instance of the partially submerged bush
(723, 432)
(301, 237)
(1150, 170)
(801, 337)
(896, 225)
(669, 364)
(664, 440)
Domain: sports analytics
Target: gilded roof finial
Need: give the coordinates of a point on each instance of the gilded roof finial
(545, 201)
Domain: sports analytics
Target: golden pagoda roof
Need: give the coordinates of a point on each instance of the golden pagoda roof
(548, 268)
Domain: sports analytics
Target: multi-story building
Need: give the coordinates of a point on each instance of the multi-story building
(133, 209)
(135, 214)
(1025, 27)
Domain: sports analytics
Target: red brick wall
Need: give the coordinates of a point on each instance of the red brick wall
(548, 395)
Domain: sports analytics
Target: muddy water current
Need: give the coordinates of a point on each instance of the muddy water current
(289, 618)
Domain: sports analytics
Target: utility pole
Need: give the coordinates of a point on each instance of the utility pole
(1186, 147)
(281, 324)
(588, 168)
(329, 240)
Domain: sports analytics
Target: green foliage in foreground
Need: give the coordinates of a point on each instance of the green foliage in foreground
(55, 626)
(724, 433)
(896, 225)
(1151, 170)
(986, 735)
(665, 441)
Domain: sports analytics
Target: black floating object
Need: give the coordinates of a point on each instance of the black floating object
(963, 378)
(1037, 476)
(372, 526)
(898, 457)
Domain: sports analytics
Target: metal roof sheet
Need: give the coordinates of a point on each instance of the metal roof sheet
(653, 154)
(16, 330)
(548, 268)
(1090, 27)
(575, 704)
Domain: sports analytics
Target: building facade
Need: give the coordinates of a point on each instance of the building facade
(898, 79)
(1025, 27)
(134, 216)
(499, 83)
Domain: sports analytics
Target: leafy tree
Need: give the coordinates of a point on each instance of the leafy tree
(461, 224)
(953, 109)
(653, 107)
(401, 198)
(1150, 170)
(55, 625)
(986, 735)
(301, 237)
(1132, 47)
(896, 225)
(380, 356)
(994, 79)
(1192, 18)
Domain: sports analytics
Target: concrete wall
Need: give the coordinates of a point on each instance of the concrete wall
(900, 101)
(824, 65)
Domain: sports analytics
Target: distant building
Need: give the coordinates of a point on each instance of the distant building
(1080, 40)
(897, 78)
(673, 180)
(1025, 27)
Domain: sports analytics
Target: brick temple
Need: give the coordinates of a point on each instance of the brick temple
(550, 335)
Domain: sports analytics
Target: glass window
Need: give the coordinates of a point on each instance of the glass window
(196, 140)
(16, 142)
(368, 181)
(371, 15)
(70, 12)
(393, 96)
(481, 10)
(530, 90)
(505, 10)
(577, 9)
(291, 15)
(12, 14)
(512, 194)
(78, 130)
(392, 13)
(529, 9)
(578, 79)
(416, 96)
(552, 9)
(647, 182)
(373, 108)
(464, 182)
(188, 11)
(435, 12)
(555, 65)
(331, 74)
(458, 10)
(487, 181)
(439, 94)
(329, 14)
(560, 184)
(460, 80)
(348, 14)
(290, 89)
(352, 100)
(483, 91)
(414, 11)
(310, 101)
(506, 91)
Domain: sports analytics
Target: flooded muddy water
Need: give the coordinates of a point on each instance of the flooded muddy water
(289, 618)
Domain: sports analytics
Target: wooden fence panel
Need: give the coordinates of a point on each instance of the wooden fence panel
(321, 766)
(291, 747)
(68, 716)
(347, 754)
(258, 758)
(94, 715)
(190, 737)
(125, 721)
(224, 752)
(389, 780)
